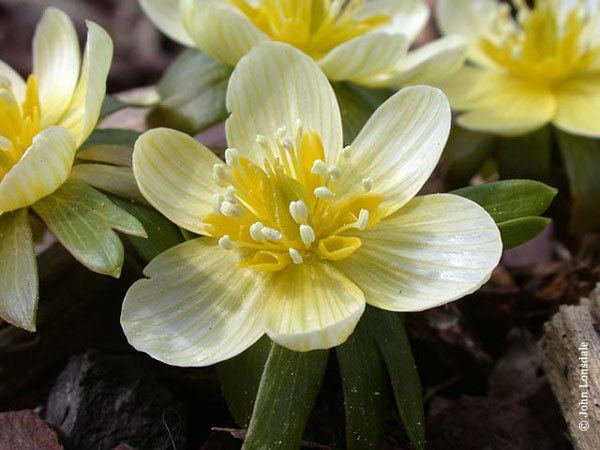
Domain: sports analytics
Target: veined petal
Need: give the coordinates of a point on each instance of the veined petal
(399, 146)
(220, 30)
(273, 87)
(166, 15)
(44, 167)
(197, 308)
(363, 56)
(428, 64)
(578, 103)
(174, 173)
(56, 63)
(17, 83)
(312, 306)
(436, 249)
(82, 115)
(409, 17)
(18, 271)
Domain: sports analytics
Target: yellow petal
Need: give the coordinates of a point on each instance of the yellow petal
(409, 17)
(220, 30)
(399, 146)
(578, 103)
(56, 63)
(363, 56)
(17, 83)
(44, 167)
(82, 114)
(18, 271)
(436, 249)
(198, 308)
(312, 306)
(174, 173)
(166, 15)
(274, 86)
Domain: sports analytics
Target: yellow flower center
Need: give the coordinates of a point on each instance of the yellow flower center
(18, 123)
(543, 45)
(289, 211)
(313, 26)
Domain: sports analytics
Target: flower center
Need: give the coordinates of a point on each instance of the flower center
(18, 123)
(313, 26)
(288, 211)
(544, 45)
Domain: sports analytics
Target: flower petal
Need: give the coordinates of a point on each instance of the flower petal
(166, 15)
(436, 249)
(220, 30)
(44, 167)
(18, 271)
(56, 63)
(399, 146)
(198, 307)
(82, 114)
(409, 17)
(274, 86)
(174, 173)
(312, 306)
(363, 56)
(17, 84)
(578, 103)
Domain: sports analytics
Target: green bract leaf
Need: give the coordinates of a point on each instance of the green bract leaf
(193, 94)
(116, 180)
(83, 220)
(518, 231)
(111, 105)
(110, 136)
(118, 155)
(288, 390)
(581, 157)
(528, 156)
(18, 271)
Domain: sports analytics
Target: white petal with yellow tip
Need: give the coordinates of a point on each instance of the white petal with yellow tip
(166, 15)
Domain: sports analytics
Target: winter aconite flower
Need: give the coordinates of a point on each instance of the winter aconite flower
(42, 123)
(361, 41)
(539, 68)
(300, 233)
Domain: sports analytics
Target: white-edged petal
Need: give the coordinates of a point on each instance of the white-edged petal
(43, 168)
(409, 17)
(436, 249)
(197, 308)
(174, 173)
(274, 86)
(166, 15)
(17, 84)
(312, 306)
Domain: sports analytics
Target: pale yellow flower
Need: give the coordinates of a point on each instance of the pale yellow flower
(300, 233)
(542, 67)
(365, 42)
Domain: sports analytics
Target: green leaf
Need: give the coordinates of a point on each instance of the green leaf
(525, 157)
(110, 136)
(162, 234)
(465, 154)
(83, 220)
(288, 390)
(511, 199)
(18, 271)
(387, 329)
(581, 157)
(362, 371)
(193, 94)
(118, 155)
(111, 105)
(518, 231)
(116, 180)
(239, 378)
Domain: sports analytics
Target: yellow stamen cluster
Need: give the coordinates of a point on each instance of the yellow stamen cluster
(290, 210)
(313, 26)
(543, 45)
(19, 124)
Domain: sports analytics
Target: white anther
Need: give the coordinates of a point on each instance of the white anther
(217, 201)
(299, 131)
(368, 184)
(307, 234)
(323, 192)
(299, 212)
(287, 144)
(346, 151)
(256, 231)
(334, 172)
(232, 157)
(320, 168)
(221, 174)
(271, 234)
(363, 220)
(230, 194)
(225, 243)
(230, 209)
(281, 132)
(296, 256)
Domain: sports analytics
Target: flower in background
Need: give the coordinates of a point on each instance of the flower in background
(365, 42)
(525, 72)
(300, 233)
(43, 121)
